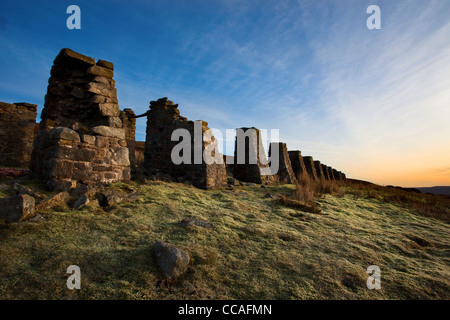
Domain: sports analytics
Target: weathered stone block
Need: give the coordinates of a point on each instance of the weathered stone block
(17, 208)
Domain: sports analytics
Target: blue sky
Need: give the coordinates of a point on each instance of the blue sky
(372, 103)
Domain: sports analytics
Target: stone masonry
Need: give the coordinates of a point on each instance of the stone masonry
(248, 166)
(128, 118)
(163, 119)
(325, 172)
(17, 123)
(81, 137)
(319, 170)
(285, 172)
(310, 168)
(298, 166)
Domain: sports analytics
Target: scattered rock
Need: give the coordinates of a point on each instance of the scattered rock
(250, 184)
(187, 182)
(57, 200)
(194, 222)
(17, 208)
(269, 195)
(3, 187)
(172, 260)
(180, 179)
(263, 186)
(81, 202)
(15, 173)
(18, 189)
(37, 218)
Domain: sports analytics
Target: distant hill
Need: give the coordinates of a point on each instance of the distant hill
(436, 190)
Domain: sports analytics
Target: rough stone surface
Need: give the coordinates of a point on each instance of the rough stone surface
(129, 123)
(325, 171)
(162, 119)
(81, 136)
(17, 208)
(319, 171)
(285, 172)
(172, 260)
(17, 125)
(248, 166)
(310, 168)
(59, 199)
(298, 166)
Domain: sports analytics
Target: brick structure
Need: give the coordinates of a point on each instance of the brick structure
(310, 168)
(128, 118)
(81, 136)
(163, 119)
(285, 172)
(298, 166)
(249, 165)
(17, 124)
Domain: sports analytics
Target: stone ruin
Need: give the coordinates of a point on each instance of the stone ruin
(310, 167)
(128, 118)
(298, 165)
(17, 125)
(249, 166)
(163, 119)
(319, 171)
(81, 136)
(84, 137)
(285, 173)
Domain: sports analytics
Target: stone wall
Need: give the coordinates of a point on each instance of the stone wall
(128, 118)
(330, 173)
(325, 172)
(248, 167)
(162, 119)
(17, 124)
(319, 171)
(285, 173)
(81, 137)
(298, 165)
(310, 168)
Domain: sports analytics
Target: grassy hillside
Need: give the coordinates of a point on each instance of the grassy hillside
(258, 249)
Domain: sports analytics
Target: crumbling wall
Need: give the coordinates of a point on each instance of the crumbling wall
(319, 171)
(163, 119)
(248, 166)
(325, 172)
(81, 137)
(285, 172)
(298, 165)
(310, 168)
(17, 123)
(128, 118)
(330, 173)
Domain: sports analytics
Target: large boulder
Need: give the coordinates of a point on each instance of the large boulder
(17, 208)
(172, 260)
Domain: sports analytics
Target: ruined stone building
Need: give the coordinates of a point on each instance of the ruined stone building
(163, 119)
(319, 171)
(310, 167)
(249, 156)
(298, 165)
(17, 125)
(128, 118)
(81, 136)
(285, 173)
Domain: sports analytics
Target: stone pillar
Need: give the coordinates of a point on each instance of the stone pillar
(325, 172)
(319, 171)
(17, 123)
(285, 172)
(330, 173)
(247, 166)
(163, 119)
(81, 138)
(310, 168)
(128, 118)
(298, 166)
